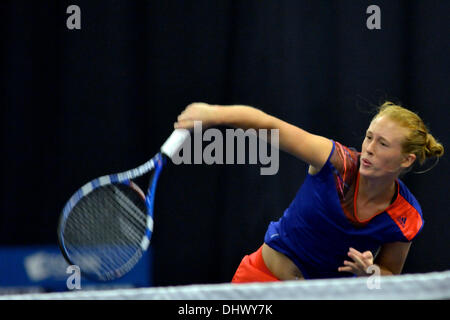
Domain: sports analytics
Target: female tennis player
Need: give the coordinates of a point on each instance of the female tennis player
(352, 211)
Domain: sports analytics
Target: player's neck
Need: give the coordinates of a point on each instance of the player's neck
(376, 189)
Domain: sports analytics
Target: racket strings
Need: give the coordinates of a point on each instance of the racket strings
(112, 214)
(105, 229)
(128, 223)
(132, 214)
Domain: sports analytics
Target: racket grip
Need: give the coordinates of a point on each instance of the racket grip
(174, 142)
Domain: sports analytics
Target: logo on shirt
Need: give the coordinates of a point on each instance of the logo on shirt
(402, 221)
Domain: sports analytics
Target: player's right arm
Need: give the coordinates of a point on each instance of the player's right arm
(310, 148)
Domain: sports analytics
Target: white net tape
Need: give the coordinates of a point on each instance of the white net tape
(435, 285)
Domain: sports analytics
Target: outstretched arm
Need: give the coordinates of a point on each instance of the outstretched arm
(310, 148)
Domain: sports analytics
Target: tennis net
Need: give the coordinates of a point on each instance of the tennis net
(426, 286)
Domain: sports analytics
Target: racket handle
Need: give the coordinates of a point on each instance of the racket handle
(174, 142)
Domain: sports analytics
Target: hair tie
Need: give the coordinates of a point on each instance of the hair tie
(434, 165)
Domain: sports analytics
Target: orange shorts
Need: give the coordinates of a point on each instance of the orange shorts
(253, 269)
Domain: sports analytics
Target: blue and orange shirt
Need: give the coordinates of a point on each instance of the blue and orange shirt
(320, 225)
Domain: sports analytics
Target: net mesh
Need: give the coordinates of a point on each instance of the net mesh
(435, 285)
(104, 231)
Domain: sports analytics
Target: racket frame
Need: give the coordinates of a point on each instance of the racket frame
(156, 163)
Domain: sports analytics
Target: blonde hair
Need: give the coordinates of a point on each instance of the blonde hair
(419, 141)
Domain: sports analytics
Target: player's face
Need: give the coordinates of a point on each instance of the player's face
(381, 153)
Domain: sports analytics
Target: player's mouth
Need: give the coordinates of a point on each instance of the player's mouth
(366, 163)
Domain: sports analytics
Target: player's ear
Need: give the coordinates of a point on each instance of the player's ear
(408, 160)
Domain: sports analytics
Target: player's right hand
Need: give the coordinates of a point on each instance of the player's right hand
(197, 111)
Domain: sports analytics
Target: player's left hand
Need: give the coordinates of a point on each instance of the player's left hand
(360, 263)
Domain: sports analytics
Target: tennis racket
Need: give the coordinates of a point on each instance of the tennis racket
(106, 226)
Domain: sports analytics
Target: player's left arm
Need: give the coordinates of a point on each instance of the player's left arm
(390, 259)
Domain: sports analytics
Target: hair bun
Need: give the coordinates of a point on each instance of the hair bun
(433, 148)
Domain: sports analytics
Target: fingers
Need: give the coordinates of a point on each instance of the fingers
(364, 259)
(351, 267)
(368, 255)
(185, 119)
(345, 269)
(357, 257)
(197, 111)
(184, 124)
(361, 261)
(348, 266)
(185, 115)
